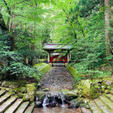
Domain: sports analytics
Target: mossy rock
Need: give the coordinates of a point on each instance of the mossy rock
(46, 89)
(31, 87)
(43, 68)
(84, 88)
(20, 95)
(40, 94)
(12, 92)
(27, 97)
(9, 84)
(70, 93)
(22, 89)
(13, 84)
(76, 103)
(31, 90)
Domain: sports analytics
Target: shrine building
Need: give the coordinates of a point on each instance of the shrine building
(58, 53)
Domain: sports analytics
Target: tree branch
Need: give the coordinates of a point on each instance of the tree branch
(8, 9)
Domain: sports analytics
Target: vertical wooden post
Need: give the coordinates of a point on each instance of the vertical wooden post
(26, 60)
(68, 57)
(48, 57)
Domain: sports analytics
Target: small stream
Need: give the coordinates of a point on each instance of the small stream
(55, 110)
(53, 103)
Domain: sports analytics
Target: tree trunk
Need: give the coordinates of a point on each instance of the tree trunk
(107, 27)
(2, 24)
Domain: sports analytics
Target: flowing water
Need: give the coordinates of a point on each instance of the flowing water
(55, 110)
(54, 103)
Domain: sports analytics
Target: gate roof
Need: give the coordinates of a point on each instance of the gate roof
(56, 47)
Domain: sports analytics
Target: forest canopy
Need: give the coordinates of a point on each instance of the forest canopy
(26, 25)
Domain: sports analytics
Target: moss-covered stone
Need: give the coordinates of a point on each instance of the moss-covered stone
(27, 98)
(46, 89)
(22, 89)
(21, 95)
(40, 94)
(70, 93)
(43, 68)
(94, 88)
(13, 84)
(84, 88)
(31, 89)
(74, 73)
(76, 103)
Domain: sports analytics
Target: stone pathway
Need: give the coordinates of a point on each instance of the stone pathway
(57, 78)
(11, 104)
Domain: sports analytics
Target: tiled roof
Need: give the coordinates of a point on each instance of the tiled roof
(57, 46)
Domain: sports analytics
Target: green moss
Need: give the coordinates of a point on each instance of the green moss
(70, 93)
(31, 90)
(43, 68)
(74, 73)
(22, 89)
(26, 98)
(40, 94)
(13, 84)
(94, 88)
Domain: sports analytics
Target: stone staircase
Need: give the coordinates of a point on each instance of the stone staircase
(104, 104)
(11, 104)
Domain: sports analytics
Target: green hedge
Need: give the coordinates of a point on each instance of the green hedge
(74, 73)
(43, 68)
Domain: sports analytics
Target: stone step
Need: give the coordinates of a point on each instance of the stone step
(22, 107)
(102, 106)
(110, 96)
(107, 102)
(111, 91)
(4, 98)
(94, 108)
(7, 103)
(6, 89)
(14, 106)
(84, 110)
(2, 92)
(30, 108)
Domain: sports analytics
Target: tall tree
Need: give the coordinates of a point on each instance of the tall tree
(107, 27)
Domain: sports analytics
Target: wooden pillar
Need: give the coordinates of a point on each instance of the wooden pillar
(68, 57)
(26, 60)
(48, 57)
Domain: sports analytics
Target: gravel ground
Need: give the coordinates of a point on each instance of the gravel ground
(57, 78)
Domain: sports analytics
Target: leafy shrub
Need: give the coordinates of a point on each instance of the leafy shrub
(74, 73)
(79, 71)
(12, 62)
(43, 68)
(94, 88)
(82, 68)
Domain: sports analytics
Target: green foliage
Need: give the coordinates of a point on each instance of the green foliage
(79, 23)
(79, 71)
(11, 62)
(27, 27)
(42, 68)
(94, 88)
(74, 73)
